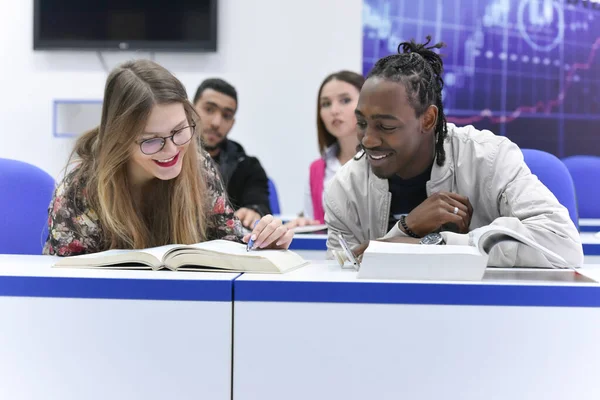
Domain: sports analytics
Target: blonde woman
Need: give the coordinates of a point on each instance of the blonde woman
(140, 179)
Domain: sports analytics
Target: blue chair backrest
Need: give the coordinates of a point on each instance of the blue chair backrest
(273, 198)
(585, 171)
(25, 193)
(554, 174)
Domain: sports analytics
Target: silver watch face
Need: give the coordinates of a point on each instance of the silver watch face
(432, 238)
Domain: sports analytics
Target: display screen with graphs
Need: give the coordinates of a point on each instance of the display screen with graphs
(527, 69)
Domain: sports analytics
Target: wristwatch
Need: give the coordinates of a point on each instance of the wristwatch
(433, 238)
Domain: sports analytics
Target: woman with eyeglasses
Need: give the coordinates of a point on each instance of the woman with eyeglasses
(140, 179)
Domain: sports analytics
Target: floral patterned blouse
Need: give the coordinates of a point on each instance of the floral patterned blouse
(74, 228)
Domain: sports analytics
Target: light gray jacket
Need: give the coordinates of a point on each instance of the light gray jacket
(486, 168)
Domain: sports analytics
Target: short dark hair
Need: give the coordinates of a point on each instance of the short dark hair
(419, 69)
(326, 139)
(218, 85)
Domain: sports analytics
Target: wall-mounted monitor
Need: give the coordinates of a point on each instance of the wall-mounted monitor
(150, 25)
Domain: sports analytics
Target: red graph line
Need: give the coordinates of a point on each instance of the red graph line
(540, 106)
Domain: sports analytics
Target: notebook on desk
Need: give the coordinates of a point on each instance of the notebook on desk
(321, 228)
(215, 255)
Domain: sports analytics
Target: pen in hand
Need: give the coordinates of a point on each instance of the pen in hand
(252, 237)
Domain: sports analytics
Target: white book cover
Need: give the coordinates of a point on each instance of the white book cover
(385, 260)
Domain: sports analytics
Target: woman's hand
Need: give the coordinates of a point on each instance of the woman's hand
(270, 233)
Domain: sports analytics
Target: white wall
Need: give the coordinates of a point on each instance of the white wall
(275, 52)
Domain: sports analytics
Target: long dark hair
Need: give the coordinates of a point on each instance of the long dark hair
(326, 139)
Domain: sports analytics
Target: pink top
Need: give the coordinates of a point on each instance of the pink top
(321, 172)
(317, 182)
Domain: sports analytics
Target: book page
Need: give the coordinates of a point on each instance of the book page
(161, 252)
(278, 257)
(107, 253)
(221, 246)
(491, 235)
(283, 259)
(157, 252)
(110, 257)
(208, 254)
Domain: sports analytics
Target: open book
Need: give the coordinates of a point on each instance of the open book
(215, 255)
(384, 260)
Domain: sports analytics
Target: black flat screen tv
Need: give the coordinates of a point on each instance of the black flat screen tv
(151, 25)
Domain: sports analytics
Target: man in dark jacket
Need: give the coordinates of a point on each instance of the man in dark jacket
(244, 177)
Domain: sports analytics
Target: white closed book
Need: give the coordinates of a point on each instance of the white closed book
(385, 260)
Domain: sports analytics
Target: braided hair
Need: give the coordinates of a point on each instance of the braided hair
(419, 69)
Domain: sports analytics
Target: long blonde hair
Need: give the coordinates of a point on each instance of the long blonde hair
(173, 211)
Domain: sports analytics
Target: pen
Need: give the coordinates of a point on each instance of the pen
(251, 241)
(347, 254)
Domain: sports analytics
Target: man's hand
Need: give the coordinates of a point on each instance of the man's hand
(247, 217)
(360, 249)
(439, 209)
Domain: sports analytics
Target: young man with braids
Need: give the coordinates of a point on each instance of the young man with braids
(419, 179)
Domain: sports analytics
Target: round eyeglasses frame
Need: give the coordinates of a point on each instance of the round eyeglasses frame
(164, 139)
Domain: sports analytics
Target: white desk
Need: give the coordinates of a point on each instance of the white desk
(74, 334)
(319, 333)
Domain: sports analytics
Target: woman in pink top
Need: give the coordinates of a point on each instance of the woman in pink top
(336, 127)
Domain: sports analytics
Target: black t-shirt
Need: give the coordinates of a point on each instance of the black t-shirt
(407, 194)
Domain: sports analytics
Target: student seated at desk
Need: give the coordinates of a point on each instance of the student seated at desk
(141, 181)
(216, 102)
(336, 130)
(417, 175)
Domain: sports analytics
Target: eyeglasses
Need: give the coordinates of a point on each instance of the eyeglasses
(179, 138)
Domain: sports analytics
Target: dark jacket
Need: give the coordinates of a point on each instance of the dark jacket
(245, 179)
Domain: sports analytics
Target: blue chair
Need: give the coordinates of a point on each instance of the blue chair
(553, 173)
(585, 171)
(25, 193)
(273, 199)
